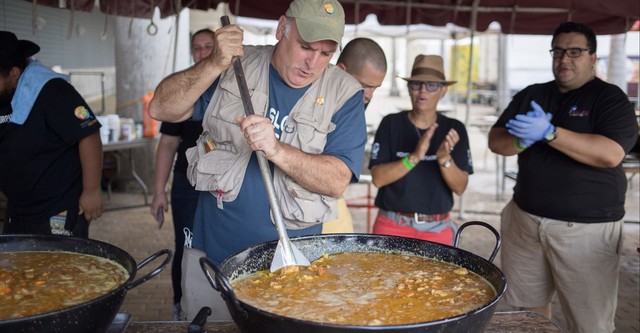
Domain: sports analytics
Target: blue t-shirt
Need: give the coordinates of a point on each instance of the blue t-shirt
(246, 221)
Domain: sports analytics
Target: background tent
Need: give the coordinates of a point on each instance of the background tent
(514, 16)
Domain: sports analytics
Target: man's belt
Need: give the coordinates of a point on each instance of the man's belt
(418, 217)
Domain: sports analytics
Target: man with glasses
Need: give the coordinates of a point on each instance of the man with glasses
(562, 231)
(419, 158)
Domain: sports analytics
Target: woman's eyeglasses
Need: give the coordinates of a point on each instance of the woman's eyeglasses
(573, 52)
(430, 86)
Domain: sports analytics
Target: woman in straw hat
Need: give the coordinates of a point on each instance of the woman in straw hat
(419, 159)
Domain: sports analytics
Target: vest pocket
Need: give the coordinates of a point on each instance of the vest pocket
(230, 103)
(312, 133)
(211, 168)
(302, 208)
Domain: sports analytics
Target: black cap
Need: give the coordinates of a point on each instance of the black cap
(14, 50)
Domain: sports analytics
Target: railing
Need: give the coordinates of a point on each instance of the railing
(102, 90)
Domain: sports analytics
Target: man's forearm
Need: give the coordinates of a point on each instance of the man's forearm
(90, 149)
(386, 173)
(502, 143)
(321, 174)
(165, 155)
(175, 96)
(456, 178)
(591, 149)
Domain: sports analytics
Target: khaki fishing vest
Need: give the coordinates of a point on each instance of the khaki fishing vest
(219, 160)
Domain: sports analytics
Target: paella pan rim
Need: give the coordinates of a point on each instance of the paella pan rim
(42, 243)
(411, 246)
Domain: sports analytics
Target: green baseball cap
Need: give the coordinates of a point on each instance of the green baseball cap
(318, 19)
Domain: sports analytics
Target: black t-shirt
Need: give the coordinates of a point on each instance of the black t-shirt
(188, 131)
(553, 185)
(40, 170)
(423, 189)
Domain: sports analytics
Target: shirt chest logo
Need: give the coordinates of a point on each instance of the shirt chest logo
(575, 112)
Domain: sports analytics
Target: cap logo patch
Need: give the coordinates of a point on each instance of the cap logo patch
(328, 8)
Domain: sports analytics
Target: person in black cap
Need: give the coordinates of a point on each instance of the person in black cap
(50, 147)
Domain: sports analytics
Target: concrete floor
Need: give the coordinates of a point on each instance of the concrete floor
(135, 231)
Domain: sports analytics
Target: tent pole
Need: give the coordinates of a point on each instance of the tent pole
(394, 86)
(454, 56)
(469, 79)
(504, 95)
(474, 17)
(175, 43)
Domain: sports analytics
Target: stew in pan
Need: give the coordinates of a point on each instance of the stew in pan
(367, 289)
(34, 282)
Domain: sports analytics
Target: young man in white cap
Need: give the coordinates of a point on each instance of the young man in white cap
(309, 123)
(364, 59)
(50, 149)
(419, 158)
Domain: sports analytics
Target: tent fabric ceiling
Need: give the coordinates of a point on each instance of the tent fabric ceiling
(514, 16)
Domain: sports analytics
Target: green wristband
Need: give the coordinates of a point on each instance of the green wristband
(407, 163)
(518, 145)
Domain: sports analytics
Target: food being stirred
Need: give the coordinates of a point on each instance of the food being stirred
(367, 289)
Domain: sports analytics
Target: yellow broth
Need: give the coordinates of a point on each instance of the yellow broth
(367, 289)
(34, 282)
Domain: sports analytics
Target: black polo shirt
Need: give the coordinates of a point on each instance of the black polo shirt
(40, 171)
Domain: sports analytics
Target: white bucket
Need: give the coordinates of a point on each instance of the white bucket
(104, 129)
(113, 122)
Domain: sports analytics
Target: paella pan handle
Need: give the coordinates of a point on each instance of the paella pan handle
(153, 272)
(221, 283)
(486, 225)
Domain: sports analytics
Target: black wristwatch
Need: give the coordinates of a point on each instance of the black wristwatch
(551, 136)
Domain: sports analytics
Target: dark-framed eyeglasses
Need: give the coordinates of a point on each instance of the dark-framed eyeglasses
(430, 86)
(572, 52)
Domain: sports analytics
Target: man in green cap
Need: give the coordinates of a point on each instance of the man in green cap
(309, 123)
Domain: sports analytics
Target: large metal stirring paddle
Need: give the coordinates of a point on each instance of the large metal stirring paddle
(286, 254)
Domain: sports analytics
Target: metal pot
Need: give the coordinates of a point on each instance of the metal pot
(251, 319)
(94, 315)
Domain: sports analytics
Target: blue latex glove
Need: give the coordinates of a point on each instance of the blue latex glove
(526, 143)
(532, 126)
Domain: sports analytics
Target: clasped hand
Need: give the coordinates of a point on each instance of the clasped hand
(532, 126)
(259, 133)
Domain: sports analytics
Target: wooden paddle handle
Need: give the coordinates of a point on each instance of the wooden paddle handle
(242, 81)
